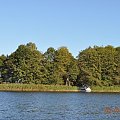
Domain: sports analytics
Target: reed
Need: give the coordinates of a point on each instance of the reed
(37, 87)
(105, 89)
(54, 88)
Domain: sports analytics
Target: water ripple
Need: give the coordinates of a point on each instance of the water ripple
(57, 106)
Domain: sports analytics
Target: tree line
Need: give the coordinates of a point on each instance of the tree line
(93, 66)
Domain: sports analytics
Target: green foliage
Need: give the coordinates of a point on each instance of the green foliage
(2, 59)
(97, 66)
(24, 65)
(49, 64)
(65, 67)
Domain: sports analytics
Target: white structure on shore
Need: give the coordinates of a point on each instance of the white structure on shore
(85, 89)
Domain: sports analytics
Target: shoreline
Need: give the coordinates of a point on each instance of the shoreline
(59, 91)
(54, 88)
(54, 91)
(37, 88)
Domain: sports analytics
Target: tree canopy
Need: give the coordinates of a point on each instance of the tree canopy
(93, 66)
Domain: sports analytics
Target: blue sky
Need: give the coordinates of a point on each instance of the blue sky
(76, 24)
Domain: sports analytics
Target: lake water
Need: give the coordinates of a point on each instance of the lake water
(59, 106)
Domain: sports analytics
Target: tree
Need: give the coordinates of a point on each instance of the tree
(72, 72)
(26, 65)
(2, 70)
(99, 65)
(49, 64)
(93, 66)
(64, 62)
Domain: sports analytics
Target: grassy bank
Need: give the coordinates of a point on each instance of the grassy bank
(38, 87)
(54, 88)
(105, 89)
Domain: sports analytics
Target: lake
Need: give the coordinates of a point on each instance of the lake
(59, 106)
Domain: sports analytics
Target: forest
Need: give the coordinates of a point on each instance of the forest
(94, 66)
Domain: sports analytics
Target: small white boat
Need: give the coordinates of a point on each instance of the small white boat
(85, 89)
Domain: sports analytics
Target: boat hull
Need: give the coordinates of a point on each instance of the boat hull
(85, 90)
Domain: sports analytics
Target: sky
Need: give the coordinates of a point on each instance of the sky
(75, 24)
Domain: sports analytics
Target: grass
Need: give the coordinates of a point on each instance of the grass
(37, 87)
(54, 88)
(105, 89)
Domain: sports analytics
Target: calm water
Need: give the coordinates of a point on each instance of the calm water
(58, 106)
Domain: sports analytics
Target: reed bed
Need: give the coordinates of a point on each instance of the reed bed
(37, 87)
(105, 89)
(54, 88)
